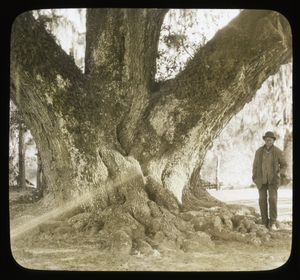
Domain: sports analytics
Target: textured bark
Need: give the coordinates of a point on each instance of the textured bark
(195, 196)
(112, 144)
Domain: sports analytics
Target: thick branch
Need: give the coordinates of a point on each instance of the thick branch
(189, 111)
(41, 71)
(50, 91)
(35, 51)
(222, 76)
(121, 44)
(121, 50)
(232, 66)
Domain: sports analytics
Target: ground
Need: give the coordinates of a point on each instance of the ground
(89, 252)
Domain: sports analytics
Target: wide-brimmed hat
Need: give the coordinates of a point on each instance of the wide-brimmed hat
(269, 134)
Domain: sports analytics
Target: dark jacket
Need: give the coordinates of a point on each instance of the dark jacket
(280, 165)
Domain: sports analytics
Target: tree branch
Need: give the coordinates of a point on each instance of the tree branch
(40, 68)
(46, 85)
(122, 44)
(50, 91)
(189, 111)
(227, 71)
(121, 56)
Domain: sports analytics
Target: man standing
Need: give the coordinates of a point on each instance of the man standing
(268, 166)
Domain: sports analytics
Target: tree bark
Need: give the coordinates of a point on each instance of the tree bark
(195, 196)
(113, 145)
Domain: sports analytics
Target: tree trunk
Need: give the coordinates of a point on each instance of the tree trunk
(288, 154)
(109, 142)
(217, 173)
(39, 172)
(21, 177)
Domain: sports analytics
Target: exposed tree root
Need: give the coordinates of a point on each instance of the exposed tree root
(195, 196)
(161, 231)
(162, 196)
(144, 217)
(122, 234)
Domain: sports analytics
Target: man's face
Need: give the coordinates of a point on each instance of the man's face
(269, 142)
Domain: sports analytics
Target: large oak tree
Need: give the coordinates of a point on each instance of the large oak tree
(115, 141)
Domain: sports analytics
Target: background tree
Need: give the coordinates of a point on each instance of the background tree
(13, 145)
(183, 32)
(111, 141)
(17, 138)
(21, 176)
(21, 147)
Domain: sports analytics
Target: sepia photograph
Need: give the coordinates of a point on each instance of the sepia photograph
(151, 139)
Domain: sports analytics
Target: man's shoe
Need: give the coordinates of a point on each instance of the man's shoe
(266, 225)
(273, 227)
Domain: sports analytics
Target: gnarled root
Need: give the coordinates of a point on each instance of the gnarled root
(237, 223)
(195, 196)
(162, 196)
(155, 230)
(146, 218)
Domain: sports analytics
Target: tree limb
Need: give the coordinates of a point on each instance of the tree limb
(240, 57)
(40, 65)
(225, 74)
(184, 117)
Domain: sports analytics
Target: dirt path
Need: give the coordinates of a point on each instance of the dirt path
(226, 256)
(83, 252)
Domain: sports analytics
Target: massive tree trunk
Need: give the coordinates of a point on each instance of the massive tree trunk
(111, 142)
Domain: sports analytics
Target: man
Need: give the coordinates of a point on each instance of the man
(268, 166)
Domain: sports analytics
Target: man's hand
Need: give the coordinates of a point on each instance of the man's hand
(282, 175)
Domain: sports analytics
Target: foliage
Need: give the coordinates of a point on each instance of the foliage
(183, 33)
(68, 25)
